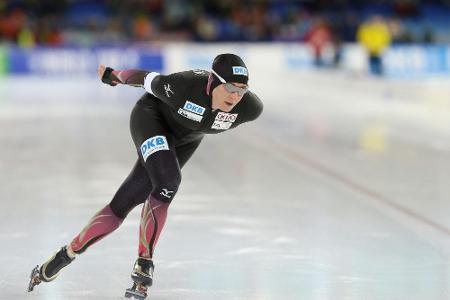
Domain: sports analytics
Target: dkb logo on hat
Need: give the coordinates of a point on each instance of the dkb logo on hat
(230, 68)
(240, 71)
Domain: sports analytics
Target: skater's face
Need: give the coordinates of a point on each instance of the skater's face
(225, 96)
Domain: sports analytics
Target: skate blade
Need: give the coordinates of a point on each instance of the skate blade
(34, 279)
(135, 293)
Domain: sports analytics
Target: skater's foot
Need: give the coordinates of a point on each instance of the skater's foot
(143, 271)
(50, 269)
(142, 276)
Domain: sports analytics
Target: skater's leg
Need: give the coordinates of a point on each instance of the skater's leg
(163, 168)
(103, 223)
(165, 175)
(155, 146)
(131, 193)
(161, 160)
(153, 218)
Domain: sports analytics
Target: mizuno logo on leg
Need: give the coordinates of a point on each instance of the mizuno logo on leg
(166, 193)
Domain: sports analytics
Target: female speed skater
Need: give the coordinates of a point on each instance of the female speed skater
(167, 125)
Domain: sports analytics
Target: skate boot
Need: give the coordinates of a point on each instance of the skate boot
(142, 276)
(50, 269)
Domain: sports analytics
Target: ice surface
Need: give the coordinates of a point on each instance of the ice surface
(339, 191)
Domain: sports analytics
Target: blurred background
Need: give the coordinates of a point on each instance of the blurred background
(327, 28)
(340, 190)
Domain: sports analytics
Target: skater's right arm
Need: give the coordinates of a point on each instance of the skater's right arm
(170, 89)
(114, 77)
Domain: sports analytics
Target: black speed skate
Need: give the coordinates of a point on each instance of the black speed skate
(142, 276)
(50, 269)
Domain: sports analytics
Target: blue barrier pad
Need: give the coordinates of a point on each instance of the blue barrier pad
(81, 61)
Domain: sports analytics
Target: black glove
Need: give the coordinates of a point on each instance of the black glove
(108, 77)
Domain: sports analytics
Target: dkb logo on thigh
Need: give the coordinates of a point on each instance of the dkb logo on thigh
(153, 145)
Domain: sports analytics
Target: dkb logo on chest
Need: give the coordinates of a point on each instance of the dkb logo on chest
(195, 108)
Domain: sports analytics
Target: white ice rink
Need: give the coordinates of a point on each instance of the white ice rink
(341, 190)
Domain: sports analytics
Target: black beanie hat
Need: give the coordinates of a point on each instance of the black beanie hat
(230, 68)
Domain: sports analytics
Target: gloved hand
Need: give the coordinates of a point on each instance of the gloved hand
(107, 76)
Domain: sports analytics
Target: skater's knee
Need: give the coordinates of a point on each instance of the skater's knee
(121, 208)
(165, 184)
(165, 175)
(165, 191)
(118, 211)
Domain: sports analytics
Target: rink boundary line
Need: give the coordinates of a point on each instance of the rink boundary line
(345, 180)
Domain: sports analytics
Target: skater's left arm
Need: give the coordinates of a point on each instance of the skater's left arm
(114, 77)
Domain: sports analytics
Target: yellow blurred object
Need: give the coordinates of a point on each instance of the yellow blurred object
(25, 38)
(374, 35)
(373, 139)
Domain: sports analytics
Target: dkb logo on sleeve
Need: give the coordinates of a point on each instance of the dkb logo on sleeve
(153, 145)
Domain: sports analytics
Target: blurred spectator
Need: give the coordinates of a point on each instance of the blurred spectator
(48, 32)
(319, 38)
(142, 28)
(375, 37)
(428, 36)
(399, 34)
(337, 43)
(12, 24)
(206, 29)
(25, 38)
(84, 22)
